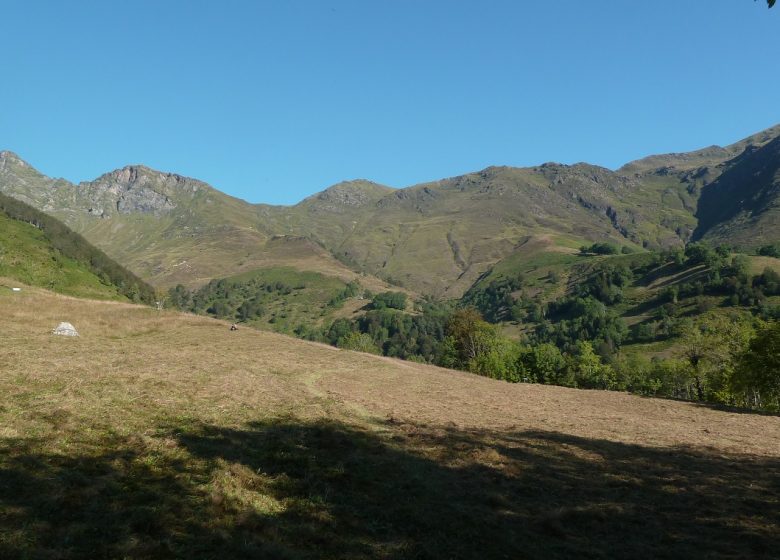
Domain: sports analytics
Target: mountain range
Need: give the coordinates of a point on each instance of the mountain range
(435, 238)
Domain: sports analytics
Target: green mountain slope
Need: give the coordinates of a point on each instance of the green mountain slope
(679, 180)
(37, 250)
(439, 237)
(281, 299)
(27, 257)
(710, 156)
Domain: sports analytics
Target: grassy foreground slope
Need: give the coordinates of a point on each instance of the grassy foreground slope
(159, 435)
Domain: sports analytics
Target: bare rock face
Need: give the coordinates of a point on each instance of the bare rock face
(65, 329)
(9, 158)
(132, 190)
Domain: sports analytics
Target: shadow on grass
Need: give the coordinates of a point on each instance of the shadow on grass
(685, 274)
(650, 305)
(734, 409)
(292, 489)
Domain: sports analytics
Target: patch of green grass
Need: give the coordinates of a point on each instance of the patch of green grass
(28, 257)
(759, 264)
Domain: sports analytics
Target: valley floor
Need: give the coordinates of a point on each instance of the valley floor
(158, 435)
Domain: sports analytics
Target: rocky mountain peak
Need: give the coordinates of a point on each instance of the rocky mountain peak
(134, 176)
(141, 189)
(134, 189)
(347, 194)
(10, 157)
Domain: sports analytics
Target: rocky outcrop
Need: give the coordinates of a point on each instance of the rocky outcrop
(135, 190)
(7, 158)
(346, 196)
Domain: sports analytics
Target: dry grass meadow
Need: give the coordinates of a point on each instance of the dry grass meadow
(164, 435)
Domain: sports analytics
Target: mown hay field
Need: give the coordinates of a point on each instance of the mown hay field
(162, 435)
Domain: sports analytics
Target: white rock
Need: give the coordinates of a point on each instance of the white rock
(65, 329)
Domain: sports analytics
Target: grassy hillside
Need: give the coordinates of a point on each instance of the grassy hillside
(64, 243)
(27, 257)
(158, 435)
(438, 238)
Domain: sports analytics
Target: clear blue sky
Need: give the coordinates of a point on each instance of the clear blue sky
(272, 101)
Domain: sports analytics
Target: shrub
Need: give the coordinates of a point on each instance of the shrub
(360, 342)
(600, 249)
(392, 300)
(772, 250)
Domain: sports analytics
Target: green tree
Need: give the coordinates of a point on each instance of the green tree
(498, 357)
(772, 250)
(757, 375)
(448, 353)
(477, 346)
(711, 348)
(589, 371)
(464, 327)
(360, 342)
(599, 249)
(700, 253)
(338, 330)
(220, 309)
(545, 364)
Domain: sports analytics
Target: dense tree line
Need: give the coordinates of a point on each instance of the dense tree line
(392, 332)
(389, 300)
(725, 360)
(74, 246)
(241, 300)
